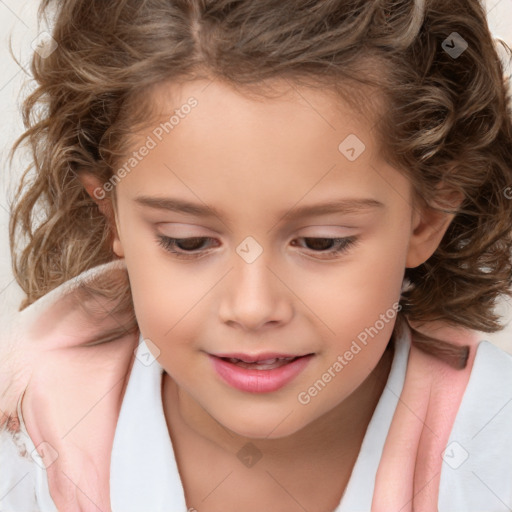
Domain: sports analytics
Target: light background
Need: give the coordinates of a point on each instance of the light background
(19, 19)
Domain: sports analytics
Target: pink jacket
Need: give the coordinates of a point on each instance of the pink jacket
(77, 390)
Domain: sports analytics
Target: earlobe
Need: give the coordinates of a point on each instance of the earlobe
(117, 247)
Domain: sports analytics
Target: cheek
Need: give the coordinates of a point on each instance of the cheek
(163, 292)
(353, 294)
(164, 306)
(378, 274)
(169, 317)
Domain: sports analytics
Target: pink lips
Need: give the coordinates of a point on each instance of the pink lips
(276, 376)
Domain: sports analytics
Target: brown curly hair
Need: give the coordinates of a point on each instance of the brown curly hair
(444, 120)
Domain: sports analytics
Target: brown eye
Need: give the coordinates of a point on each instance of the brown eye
(329, 246)
(183, 247)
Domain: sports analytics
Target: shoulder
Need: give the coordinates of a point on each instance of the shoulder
(486, 407)
(484, 411)
(490, 383)
(57, 331)
(70, 387)
(477, 463)
(18, 485)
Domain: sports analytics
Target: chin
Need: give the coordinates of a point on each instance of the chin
(262, 426)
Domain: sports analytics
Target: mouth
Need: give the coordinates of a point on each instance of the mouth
(261, 364)
(261, 373)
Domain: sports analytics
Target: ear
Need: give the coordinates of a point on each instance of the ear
(428, 228)
(94, 188)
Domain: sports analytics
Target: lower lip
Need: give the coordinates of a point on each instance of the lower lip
(258, 381)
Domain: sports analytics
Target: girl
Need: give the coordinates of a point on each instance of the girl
(269, 234)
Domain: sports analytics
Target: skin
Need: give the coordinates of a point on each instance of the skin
(251, 159)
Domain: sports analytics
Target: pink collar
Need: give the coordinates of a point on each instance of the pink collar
(41, 363)
(410, 468)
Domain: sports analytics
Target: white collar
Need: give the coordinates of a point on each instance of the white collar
(360, 488)
(143, 470)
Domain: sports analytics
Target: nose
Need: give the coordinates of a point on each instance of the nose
(254, 296)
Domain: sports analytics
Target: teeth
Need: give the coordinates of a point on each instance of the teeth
(267, 364)
(266, 361)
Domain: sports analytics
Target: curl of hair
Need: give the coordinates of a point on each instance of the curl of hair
(443, 121)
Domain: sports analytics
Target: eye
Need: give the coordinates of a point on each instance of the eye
(183, 247)
(190, 248)
(330, 246)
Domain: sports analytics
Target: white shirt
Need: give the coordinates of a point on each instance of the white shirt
(144, 475)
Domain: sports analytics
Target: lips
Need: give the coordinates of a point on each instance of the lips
(258, 373)
(265, 364)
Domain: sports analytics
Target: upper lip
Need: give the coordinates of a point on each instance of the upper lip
(263, 356)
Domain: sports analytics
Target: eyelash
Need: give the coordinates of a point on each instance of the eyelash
(169, 244)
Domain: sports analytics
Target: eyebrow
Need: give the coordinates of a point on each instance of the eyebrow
(347, 205)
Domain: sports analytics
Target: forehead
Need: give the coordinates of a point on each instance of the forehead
(361, 102)
(272, 121)
(293, 144)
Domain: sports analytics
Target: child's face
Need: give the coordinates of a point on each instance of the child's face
(260, 284)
